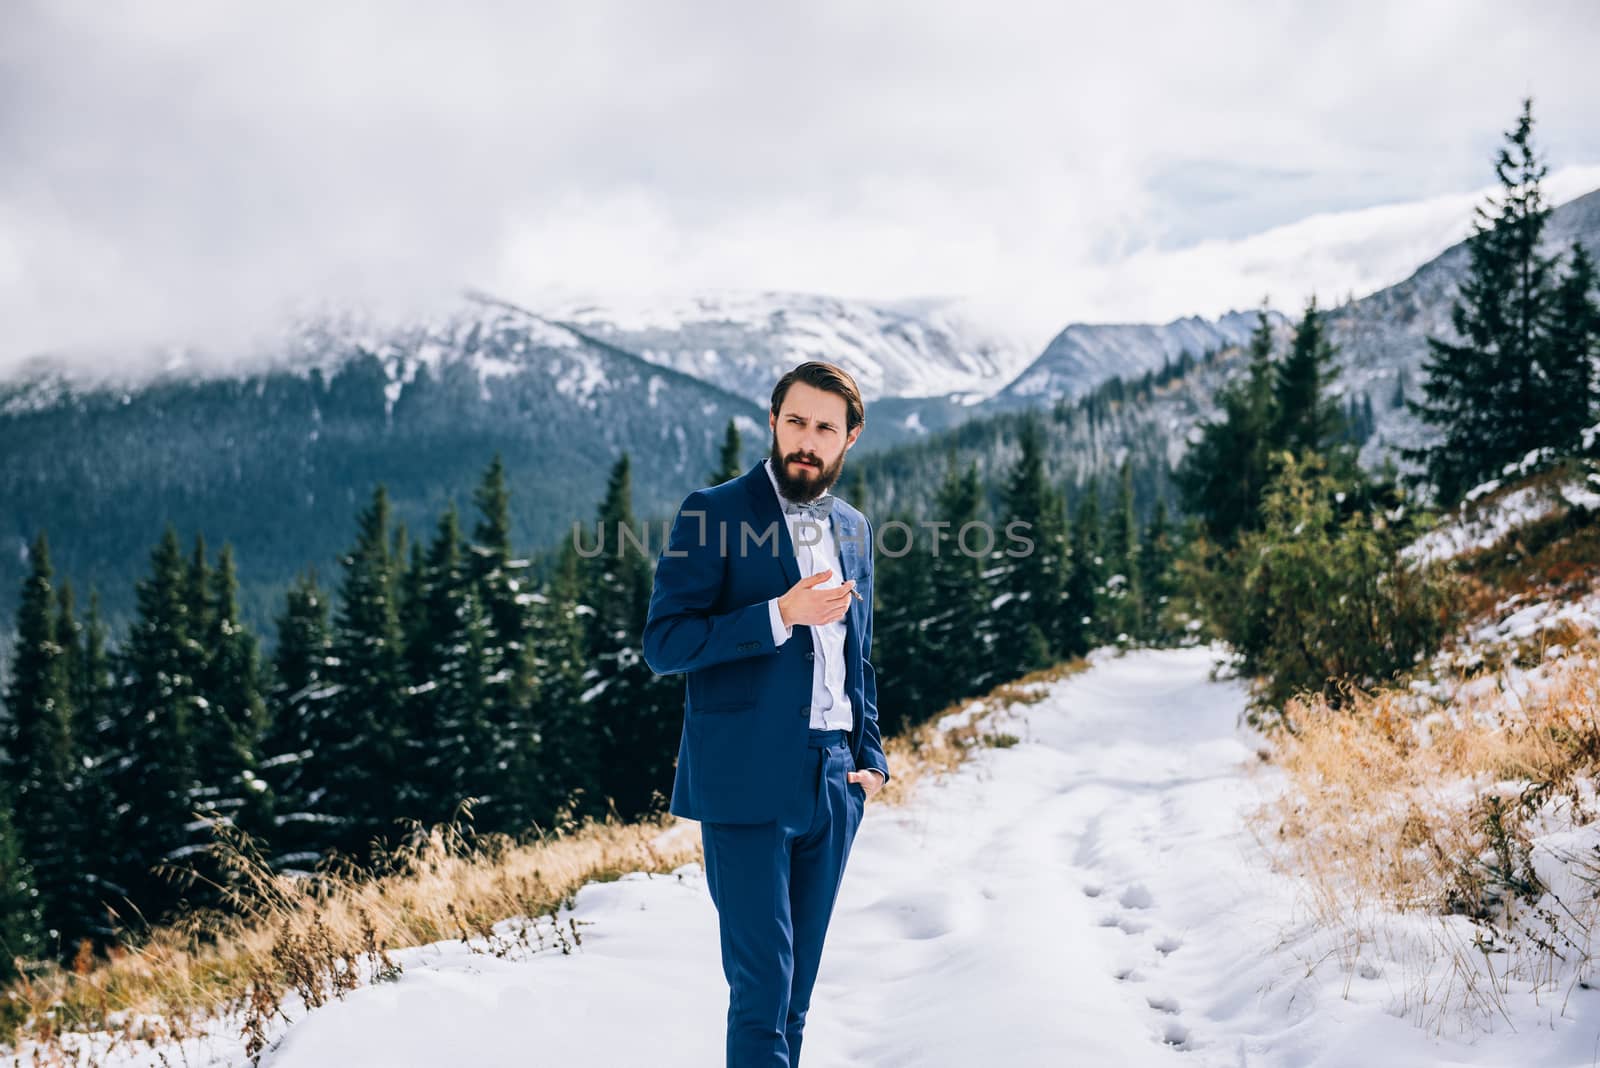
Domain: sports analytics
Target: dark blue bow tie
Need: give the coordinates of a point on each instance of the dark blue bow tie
(817, 509)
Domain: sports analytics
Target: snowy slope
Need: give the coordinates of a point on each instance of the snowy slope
(1085, 897)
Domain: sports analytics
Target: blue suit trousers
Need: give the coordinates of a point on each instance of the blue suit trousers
(774, 885)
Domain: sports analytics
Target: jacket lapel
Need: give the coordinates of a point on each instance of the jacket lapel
(764, 499)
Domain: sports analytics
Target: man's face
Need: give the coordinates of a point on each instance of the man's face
(808, 441)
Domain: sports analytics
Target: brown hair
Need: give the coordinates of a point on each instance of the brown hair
(825, 376)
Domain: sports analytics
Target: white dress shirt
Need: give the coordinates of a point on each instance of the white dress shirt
(815, 551)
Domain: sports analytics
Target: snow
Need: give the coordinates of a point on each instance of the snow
(580, 376)
(1086, 896)
(1479, 527)
(1583, 496)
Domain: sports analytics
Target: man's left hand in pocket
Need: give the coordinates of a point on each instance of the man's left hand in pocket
(871, 781)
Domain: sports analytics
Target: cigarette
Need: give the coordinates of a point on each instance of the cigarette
(857, 596)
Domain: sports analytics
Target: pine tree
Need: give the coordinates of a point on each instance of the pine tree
(399, 554)
(302, 706)
(89, 811)
(567, 766)
(1026, 622)
(1572, 401)
(42, 775)
(633, 707)
(21, 919)
(1482, 393)
(958, 630)
(1222, 475)
(902, 638)
(728, 461)
(1086, 579)
(150, 766)
(1309, 418)
(1158, 551)
(232, 715)
(356, 755)
(1124, 601)
(197, 608)
(451, 745)
(500, 583)
(855, 490)
(94, 704)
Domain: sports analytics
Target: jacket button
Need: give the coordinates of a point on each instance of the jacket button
(805, 710)
(811, 656)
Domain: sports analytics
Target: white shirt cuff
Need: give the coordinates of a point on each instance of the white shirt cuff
(780, 633)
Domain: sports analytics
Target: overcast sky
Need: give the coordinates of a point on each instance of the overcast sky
(186, 170)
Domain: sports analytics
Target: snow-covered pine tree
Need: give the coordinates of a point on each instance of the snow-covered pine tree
(356, 753)
(500, 583)
(450, 743)
(567, 757)
(231, 717)
(301, 703)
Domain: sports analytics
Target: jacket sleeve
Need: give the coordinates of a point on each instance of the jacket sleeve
(681, 632)
(871, 743)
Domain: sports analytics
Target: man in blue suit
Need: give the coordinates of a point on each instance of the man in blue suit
(763, 601)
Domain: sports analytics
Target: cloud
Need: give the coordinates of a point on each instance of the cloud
(187, 171)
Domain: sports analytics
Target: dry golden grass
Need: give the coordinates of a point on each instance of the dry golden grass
(1394, 805)
(319, 939)
(1378, 790)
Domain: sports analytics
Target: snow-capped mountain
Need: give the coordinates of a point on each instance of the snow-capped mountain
(744, 341)
(1085, 354)
(278, 460)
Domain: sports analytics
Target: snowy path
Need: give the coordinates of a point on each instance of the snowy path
(1087, 897)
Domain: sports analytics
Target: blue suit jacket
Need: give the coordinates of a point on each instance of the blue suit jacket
(747, 700)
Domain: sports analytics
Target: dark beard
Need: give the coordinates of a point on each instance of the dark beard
(809, 489)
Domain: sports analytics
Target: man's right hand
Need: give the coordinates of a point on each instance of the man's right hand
(805, 603)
